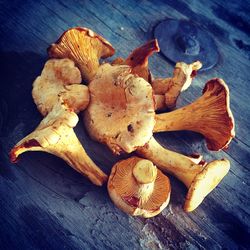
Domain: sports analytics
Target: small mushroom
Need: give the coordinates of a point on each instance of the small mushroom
(138, 188)
(138, 59)
(60, 78)
(172, 87)
(55, 135)
(121, 109)
(199, 179)
(209, 115)
(84, 47)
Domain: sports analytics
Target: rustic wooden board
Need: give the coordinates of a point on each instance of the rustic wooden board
(44, 204)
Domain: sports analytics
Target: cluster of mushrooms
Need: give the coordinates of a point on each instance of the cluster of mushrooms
(119, 101)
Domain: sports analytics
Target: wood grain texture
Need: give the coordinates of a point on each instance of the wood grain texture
(44, 204)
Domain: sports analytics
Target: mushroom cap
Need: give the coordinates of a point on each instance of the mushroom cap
(123, 190)
(138, 59)
(59, 78)
(121, 111)
(205, 182)
(221, 128)
(84, 47)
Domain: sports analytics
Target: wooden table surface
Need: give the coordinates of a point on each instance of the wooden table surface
(44, 204)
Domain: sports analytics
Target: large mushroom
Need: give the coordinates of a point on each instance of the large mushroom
(121, 109)
(55, 135)
(84, 47)
(199, 179)
(138, 188)
(209, 115)
(59, 78)
(169, 89)
(138, 59)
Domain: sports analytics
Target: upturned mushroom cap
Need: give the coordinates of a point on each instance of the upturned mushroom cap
(181, 80)
(209, 115)
(121, 111)
(138, 188)
(60, 78)
(138, 59)
(55, 135)
(205, 182)
(84, 47)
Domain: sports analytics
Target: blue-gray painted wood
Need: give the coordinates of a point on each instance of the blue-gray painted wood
(44, 204)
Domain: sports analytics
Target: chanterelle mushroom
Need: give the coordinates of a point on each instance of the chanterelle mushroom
(121, 109)
(55, 135)
(199, 179)
(138, 59)
(138, 188)
(84, 47)
(60, 78)
(181, 80)
(209, 115)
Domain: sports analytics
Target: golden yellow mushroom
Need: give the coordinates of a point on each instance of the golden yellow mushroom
(84, 47)
(138, 188)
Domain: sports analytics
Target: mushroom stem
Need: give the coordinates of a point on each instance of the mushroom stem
(181, 80)
(209, 115)
(200, 180)
(55, 135)
(145, 174)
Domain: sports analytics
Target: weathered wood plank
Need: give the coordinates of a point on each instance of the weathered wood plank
(46, 203)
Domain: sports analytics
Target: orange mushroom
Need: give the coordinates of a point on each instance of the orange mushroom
(121, 109)
(199, 179)
(55, 135)
(171, 88)
(209, 115)
(60, 78)
(84, 47)
(138, 59)
(138, 188)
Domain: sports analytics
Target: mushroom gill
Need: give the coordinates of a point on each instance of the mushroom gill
(84, 47)
(209, 115)
(138, 188)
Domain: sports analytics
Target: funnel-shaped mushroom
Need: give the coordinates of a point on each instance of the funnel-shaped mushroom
(199, 179)
(84, 47)
(121, 109)
(138, 59)
(60, 78)
(55, 135)
(209, 115)
(138, 188)
(181, 80)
